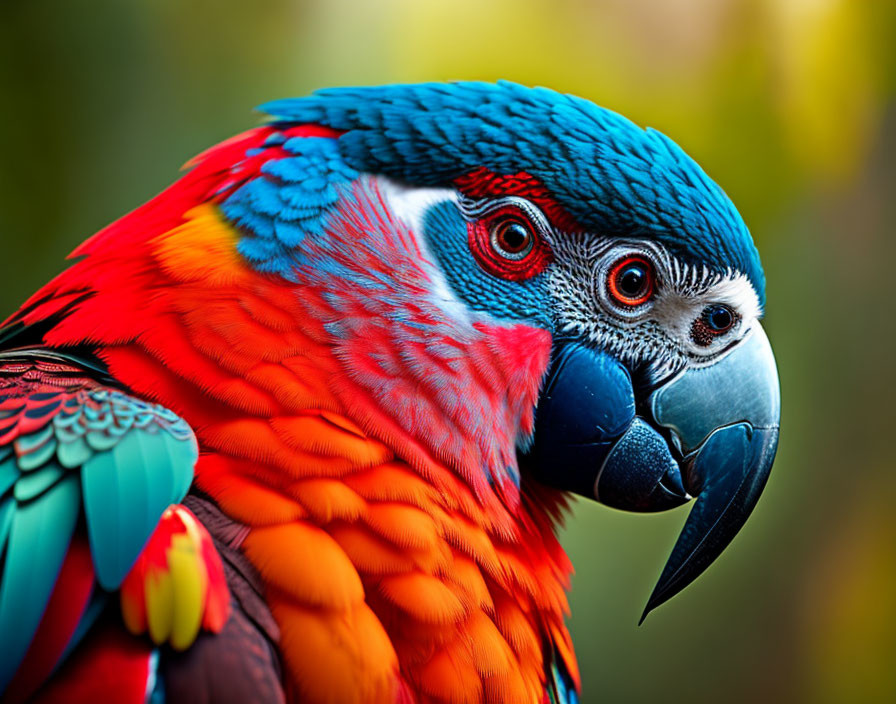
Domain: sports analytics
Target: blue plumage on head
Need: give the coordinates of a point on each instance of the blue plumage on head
(610, 175)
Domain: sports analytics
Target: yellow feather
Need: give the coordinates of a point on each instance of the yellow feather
(159, 600)
(190, 583)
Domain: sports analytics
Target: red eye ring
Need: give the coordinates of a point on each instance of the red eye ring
(491, 240)
(631, 281)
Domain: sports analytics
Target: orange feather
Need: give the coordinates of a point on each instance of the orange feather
(320, 648)
(406, 526)
(327, 500)
(369, 554)
(393, 481)
(467, 575)
(306, 563)
(424, 597)
(450, 677)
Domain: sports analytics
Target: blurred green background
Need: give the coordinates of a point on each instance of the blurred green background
(789, 105)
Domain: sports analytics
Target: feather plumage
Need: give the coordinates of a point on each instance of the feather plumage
(358, 422)
(73, 450)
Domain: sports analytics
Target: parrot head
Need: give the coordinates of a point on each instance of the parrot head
(511, 209)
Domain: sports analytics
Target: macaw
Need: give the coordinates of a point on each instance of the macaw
(302, 427)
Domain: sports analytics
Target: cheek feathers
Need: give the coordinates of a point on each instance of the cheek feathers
(443, 233)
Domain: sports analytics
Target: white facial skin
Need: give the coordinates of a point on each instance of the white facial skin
(659, 332)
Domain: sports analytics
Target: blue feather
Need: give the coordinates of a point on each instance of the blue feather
(608, 173)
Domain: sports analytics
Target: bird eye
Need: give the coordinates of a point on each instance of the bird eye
(508, 237)
(631, 281)
(718, 318)
(715, 320)
(511, 238)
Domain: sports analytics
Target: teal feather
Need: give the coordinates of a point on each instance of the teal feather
(142, 420)
(126, 489)
(128, 460)
(73, 452)
(101, 440)
(182, 455)
(28, 443)
(9, 473)
(68, 418)
(41, 528)
(33, 484)
(96, 415)
(125, 411)
(38, 455)
(118, 430)
(7, 511)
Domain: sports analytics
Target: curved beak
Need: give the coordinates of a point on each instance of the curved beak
(721, 421)
(724, 419)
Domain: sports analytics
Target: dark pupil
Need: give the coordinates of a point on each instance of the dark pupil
(631, 280)
(718, 318)
(514, 237)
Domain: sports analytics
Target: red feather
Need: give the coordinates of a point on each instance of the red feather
(110, 666)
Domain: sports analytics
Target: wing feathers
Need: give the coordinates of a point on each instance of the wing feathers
(37, 542)
(126, 489)
(67, 442)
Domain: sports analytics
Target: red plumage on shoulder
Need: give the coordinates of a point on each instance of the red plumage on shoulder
(210, 178)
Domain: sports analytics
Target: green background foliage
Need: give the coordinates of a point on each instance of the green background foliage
(788, 104)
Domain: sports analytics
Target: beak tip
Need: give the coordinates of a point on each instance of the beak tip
(658, 597)
(738, 460)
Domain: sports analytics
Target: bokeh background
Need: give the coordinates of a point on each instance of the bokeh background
(788, 104)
